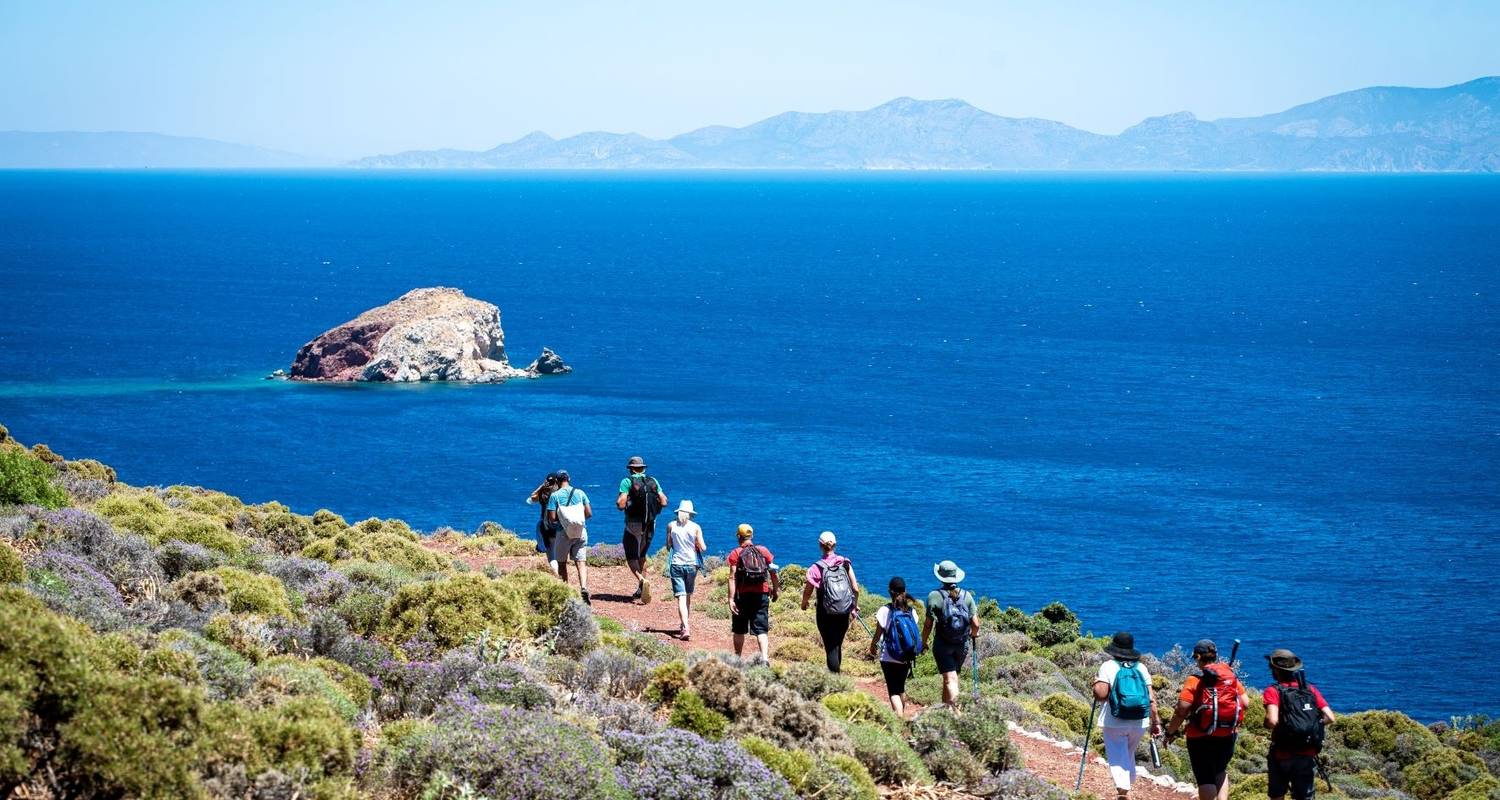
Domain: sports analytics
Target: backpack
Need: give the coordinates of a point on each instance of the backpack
(835, 591)
(1129, 696)
(956, 618)
(753, 568)
(1219, 706)
(643, 502)
(571, 518)
(1300, 724)
(903, 640)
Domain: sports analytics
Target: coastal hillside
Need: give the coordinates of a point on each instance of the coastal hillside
(177, 642)
(1376, 129)
(128, 150)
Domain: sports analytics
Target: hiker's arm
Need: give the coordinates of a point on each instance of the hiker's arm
(973, 623)
(1101, 690)
(875, 638)
(1273, 716)
(854, 584)
(807, 590)
(700, 544)
(733, 572)
(620, 501)
(1328, 716)
(588, 511)
(926, 629)
(662, 496)
(775, 584)
(1178, 715)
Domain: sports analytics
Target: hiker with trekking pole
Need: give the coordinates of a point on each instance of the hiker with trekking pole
(642, 499)
(1122, 688)
(1211, 705)
(954, 614)
(832, 578)
(1298, 717)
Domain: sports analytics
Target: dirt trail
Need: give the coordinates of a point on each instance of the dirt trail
(611, 587)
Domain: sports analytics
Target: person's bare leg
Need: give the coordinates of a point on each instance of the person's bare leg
(764, 643)
(583, 574)
(898, 706)
(739, 645)
(560, 569)
(1223, 793)
(682, 611)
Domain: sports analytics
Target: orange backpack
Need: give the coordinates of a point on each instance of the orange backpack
(1219, 707)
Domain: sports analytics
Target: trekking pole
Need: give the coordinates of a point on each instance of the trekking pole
(1233, 651)
(1078, 786)
(974, 652)
(865, 625)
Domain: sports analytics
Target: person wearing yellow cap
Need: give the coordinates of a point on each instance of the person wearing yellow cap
(832, 578)
(753, 585)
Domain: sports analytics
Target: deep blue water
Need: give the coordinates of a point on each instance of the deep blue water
(1262, 407)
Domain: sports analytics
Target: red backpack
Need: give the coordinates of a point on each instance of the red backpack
(1219, 707)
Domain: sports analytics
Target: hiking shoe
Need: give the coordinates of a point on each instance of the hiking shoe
(686, 636)
(585, 594)
(638, 588)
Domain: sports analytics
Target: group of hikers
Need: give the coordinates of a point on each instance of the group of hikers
(1210, 705)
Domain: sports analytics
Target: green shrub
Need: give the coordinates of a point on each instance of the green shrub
(25, 479)
(1069, 711)
(889, 759)
(402, 731)
(1485, 788)
(1441, 772)
(12, 568)
(362, 611)
(545, 594)
(302, 735)
(133, 737)
(392, 548)
(1389, 735)
(809, 775)
(282, 678)
(450, 612)
(248, 592)
(797, 650)
(859, 707)
(667, 680)
(814, 681)
(246, 635)
(690, 714)
(354, 685)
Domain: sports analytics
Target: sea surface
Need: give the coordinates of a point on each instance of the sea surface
(1263, 407)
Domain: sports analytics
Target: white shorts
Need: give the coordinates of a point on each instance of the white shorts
(565, 549)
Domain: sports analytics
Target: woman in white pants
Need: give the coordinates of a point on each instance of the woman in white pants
(1123, 736)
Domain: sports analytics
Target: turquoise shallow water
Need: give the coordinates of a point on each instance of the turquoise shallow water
(1252, 406)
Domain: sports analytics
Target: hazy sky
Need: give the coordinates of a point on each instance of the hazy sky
(355, 78)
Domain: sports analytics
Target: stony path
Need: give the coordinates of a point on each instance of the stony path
(611, 588)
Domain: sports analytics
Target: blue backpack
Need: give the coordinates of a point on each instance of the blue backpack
(903, 641)
(1129, 696)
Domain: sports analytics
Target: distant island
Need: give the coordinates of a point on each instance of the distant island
(1376, 129)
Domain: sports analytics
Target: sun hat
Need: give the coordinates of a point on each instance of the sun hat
(745, 531)
(687, 505)
(948, 572)
(827, 537)
(1122, 646)
(1205, 647)
(562, 474)
(635, 461)
(1282, 658)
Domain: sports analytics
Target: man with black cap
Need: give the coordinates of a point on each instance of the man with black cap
(641, 498)
(1296, 714)
(1123, 689)
(1216, 702)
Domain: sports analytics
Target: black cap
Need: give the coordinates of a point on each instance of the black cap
(561, 474)
(897, 585)
(1205, 647)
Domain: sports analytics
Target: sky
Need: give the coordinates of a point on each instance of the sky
(348, 79)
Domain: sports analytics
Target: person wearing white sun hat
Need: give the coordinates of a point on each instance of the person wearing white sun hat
(953, 612)
(685, 538)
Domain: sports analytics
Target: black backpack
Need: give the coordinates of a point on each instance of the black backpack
(752, 567)
(1300, 724)
(643, 502)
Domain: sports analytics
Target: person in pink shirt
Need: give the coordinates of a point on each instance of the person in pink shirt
(832, 579)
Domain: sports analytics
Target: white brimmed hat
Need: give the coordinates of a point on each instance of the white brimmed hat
(948, 572)
(827, 537)
(687, 505)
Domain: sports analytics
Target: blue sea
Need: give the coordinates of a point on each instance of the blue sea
(1264, 407)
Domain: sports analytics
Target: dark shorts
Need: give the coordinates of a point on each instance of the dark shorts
(755, 614)
(895, 677)
(1210, 757)
(950, 657)
(637, 541)
(1297, 773)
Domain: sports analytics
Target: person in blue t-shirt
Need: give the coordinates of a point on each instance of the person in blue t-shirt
(566, 545)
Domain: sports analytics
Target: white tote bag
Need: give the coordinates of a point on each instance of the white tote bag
(572, 519)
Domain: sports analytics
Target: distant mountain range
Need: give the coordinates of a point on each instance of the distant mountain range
(1378, 129)
(116, 149)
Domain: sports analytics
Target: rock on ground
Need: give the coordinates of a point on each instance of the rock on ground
(433, 334)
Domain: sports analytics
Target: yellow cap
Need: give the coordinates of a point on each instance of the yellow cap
(745, 530)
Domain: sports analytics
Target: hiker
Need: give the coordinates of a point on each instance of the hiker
(952, 611)
(897, 626)
(685, 538)
(546, 529)
(569, 508)
(1297, 716)
(753, 585)
(641, 498)
(832, 577)
(1212, 705)
(1123, 689)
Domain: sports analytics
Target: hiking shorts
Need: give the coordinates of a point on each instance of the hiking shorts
(684, 578)
(950, 657)
(566, 549)
(755, 614)
(1299, 773)
(896, 673)
(1210, 757)
(637, 541)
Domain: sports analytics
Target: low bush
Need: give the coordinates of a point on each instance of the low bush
(577, 630)
(814, 681)
(614, 714)
(1441, 772)
(27, 480)
(1389, 735)
(70, 585)
(12, 569)
(1018, 784)
(203, 591)
(614, 672)
(1070, 711)
(282, 678)
(177, 559)
(689, 713)
(450, 612)
(314, 580)
(889, 759)
(226, 674)
(303, 736)
(859, 707)
(679, 765)
(666, 681)
(812, 776)
(248, 592)
(510, 753)
(246, 634)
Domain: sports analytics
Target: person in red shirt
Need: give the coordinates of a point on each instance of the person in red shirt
(751, 592)
(1210, 741)
(1292, 768)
